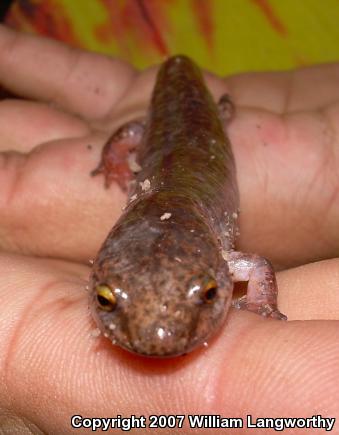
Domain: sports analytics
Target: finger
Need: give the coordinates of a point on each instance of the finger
(285, 92)
(287, 170)
(25, 125)
(51, 206)
(314, 294)
(46, 345)
(84, 83)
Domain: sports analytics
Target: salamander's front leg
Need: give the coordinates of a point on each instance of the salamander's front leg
(118, 158)
(262, 287)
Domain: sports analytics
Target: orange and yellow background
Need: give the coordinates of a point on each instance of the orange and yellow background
(224, 36)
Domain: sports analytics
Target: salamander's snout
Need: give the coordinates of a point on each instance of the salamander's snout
(145, 326)
(159, 340)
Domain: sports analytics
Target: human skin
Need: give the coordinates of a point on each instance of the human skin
(54, 216)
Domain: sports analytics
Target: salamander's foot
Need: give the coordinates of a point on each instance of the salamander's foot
(264, 310)
(262, 289)
(118, 157)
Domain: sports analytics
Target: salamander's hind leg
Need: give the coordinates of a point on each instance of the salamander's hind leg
(118, 157)
(262, 287)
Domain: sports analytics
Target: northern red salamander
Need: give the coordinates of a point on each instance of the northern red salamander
(162, 281)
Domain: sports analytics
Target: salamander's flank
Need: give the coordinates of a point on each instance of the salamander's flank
(162, 281)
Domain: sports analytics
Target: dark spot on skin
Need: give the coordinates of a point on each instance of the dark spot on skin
(95, 277)
(89, 147)
(146, 312)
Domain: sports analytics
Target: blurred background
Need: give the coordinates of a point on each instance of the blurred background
(224, 36)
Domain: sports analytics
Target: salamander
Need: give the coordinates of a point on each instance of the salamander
(162, 282)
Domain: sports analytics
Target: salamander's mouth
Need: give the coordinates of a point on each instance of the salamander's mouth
(159, 350)
(158, 341)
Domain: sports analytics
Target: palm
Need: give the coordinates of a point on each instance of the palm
(57, 215)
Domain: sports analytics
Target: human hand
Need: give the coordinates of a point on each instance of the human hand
(54, 216)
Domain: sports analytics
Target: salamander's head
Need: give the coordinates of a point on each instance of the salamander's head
(165, 303)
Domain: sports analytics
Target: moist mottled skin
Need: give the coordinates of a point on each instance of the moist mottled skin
(166, 249)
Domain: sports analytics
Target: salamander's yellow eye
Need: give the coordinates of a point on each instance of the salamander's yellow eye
(209, 291)
(105, 297)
